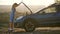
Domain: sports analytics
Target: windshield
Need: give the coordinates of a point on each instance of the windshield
(51, 9)
(48, 10)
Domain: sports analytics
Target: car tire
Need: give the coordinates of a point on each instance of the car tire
(29, 25)
(16, 25)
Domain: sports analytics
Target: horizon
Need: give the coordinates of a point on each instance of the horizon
(30, 3)
(22, 8)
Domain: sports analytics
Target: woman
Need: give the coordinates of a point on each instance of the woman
(13, 10)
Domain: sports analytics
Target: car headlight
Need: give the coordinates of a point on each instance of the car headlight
(19, 18)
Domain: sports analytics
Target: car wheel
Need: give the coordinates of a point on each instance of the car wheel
(29, 25)
(16, 25)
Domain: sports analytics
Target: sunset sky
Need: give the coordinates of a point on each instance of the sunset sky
(28, 2)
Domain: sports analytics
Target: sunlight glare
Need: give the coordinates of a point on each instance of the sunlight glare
(28, 2)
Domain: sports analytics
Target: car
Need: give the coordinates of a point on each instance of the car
(46, 17)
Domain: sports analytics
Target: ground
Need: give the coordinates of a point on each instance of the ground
(40, 30)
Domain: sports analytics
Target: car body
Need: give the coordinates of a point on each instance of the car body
(42, 18)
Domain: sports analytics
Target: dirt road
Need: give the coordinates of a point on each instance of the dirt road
(40, 30)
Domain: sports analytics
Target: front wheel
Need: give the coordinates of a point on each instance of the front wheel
(29, 25)
(16, 25)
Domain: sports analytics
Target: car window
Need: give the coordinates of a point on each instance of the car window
(48, 10)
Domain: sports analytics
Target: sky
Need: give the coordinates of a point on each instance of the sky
(28, 2)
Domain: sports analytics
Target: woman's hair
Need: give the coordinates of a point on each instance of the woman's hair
(15, 5)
